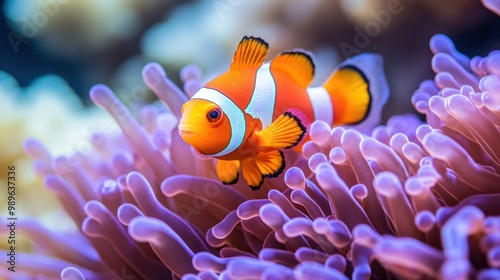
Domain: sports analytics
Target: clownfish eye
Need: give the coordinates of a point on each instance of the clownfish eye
(214, 115)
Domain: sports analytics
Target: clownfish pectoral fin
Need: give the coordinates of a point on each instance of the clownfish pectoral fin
(251, 173)
(358, 90)
(297, 64)
(251, 51)
(227, 171)
(285, 132)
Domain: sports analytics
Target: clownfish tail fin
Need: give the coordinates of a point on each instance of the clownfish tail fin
(358, 89)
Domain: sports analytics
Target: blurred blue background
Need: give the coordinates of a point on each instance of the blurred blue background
(89, 42)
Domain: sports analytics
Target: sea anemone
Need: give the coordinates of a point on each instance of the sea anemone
(412, 200)
(492, 5)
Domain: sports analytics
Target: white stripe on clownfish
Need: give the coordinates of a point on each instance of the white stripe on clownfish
(321, 104)
(233, 113)
(263, 99)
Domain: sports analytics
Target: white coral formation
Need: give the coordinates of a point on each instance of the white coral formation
(48, 109)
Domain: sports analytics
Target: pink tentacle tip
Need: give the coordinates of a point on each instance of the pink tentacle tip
(351, 139)
(493, 5)
(205, 261)
(102, 95)
(493, 62)
(320, 132)
(425, 221)
(365, 235)
(359, 191)
(190, 72)
(386, 184)
(441, 44)
(294, 178)
(316, 160)
(35, 149)
(490, 83)
(192, 86)
(92, 228)
(460, 106)
(153, 74)
(94, 209)
(337, 155)
(144, 229)
(134, 179)
(226, 226)
(52, 182)
(127, 212)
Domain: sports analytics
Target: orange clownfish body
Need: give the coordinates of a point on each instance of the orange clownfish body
(246, 116)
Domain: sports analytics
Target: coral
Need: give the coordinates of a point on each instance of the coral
(83, 26)
(412, 200)
(46, 109)
(363, 11)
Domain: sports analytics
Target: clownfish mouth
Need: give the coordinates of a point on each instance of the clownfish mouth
(194, 135)
(184, 133)
(185, 130)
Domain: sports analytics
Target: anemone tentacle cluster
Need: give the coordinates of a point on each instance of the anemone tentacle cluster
(412, 200)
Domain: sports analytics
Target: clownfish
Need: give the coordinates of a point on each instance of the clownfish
(248, 115)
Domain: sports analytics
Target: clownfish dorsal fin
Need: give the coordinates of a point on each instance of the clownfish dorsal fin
(251, 51)
(298, 64)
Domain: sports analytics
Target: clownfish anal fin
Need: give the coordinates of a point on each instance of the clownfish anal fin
(267, 163)
(251, 51)
(298, 64)
(228, 170)
(286, 131)
(251, 173)
(271, 163)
